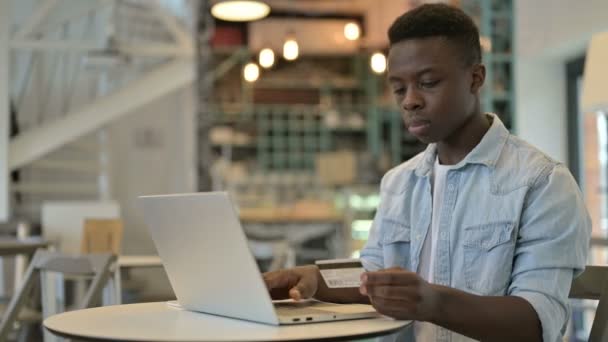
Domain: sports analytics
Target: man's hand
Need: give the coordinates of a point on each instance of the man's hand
(295, 283)
(400, 294)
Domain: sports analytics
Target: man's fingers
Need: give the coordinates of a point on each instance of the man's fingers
(394, 292)
(279, 283)
(298, 283)
(392, 304)
(390, 277)
(399, 309)
(280, 279)
(304, 289)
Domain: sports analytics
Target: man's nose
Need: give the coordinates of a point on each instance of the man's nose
(412, 101)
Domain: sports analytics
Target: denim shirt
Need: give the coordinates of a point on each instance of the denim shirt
(513, 223)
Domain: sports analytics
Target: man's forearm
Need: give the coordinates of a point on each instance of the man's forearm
(507, 318)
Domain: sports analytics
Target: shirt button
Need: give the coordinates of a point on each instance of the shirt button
(451, 187)
(443, 235)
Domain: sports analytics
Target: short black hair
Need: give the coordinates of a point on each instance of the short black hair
(439, 20)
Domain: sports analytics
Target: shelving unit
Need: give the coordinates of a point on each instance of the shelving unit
(495, 20)
(289, 138)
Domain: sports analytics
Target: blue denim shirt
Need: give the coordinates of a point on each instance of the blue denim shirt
(513, 223)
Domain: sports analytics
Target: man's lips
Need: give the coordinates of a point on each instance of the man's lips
(418, 127)
(417, 122)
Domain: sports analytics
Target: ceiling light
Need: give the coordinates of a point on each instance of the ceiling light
(251, 72)
(266, 58)
(352, 31)
(486, 43)
(240, 10)
(291, 50)
(378, 62)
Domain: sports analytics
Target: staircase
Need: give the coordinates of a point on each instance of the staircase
(77, 67)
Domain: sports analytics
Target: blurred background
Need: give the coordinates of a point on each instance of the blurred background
(282, 103)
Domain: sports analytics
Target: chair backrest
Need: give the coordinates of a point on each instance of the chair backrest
(96, 266)
(102, 236)
(62, 221)
(593, 284)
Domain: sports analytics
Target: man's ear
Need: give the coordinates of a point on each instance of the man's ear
(478, 73)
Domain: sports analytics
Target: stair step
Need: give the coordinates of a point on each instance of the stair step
(67, 165)
(71, 188)
(84, 146)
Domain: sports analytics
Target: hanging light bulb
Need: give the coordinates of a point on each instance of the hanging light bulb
(266, 58)
(291, 50)
(486, 43)
(240, 10)
(251, 72)
(352, 31)
(378, 62)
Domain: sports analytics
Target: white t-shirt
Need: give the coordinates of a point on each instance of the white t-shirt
(426, 331)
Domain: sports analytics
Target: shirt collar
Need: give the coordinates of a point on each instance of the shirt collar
(486, 152)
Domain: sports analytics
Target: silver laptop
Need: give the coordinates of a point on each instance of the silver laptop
(211, 269)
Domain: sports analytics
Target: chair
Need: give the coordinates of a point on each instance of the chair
(104, 236)
(96, 266)
(593, 284)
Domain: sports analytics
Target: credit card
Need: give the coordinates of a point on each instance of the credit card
(341, 273)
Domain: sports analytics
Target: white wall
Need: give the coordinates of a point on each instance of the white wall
(549, 33)
(152, 152)
(4, 111)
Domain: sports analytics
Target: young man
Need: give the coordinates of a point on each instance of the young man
(478, 237)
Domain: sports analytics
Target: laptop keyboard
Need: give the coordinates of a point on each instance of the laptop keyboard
(300, 309)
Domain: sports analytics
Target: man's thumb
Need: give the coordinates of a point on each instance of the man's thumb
(300, 291)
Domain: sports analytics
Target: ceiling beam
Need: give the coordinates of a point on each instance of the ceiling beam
(135, 50)
(70, 10)
(37, 142)
(182, 37)
(35, 19)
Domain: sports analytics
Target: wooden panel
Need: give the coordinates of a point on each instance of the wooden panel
(102, 236)
(281, 96)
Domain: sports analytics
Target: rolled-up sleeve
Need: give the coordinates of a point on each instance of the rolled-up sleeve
(371, 254)
(552, 246)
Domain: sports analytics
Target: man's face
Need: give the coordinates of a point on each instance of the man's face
(434, 88)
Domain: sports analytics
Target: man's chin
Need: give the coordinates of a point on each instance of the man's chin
(426, 139)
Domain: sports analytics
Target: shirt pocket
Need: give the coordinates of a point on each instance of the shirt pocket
(395, 243)
(488, 257)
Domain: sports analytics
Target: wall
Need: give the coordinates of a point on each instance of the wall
(549, 33)
(4, 113)
(152, 152)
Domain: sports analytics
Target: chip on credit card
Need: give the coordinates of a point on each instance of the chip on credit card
(341, 273)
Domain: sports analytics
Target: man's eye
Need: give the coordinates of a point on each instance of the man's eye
(429, 84)
(399, 91)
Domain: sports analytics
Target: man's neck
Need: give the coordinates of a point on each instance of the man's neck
(456, 147)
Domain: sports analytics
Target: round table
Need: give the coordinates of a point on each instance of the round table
(13, 246)
(162, 322)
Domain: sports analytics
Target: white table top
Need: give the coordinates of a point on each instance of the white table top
(139, 261)
(161, 322)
